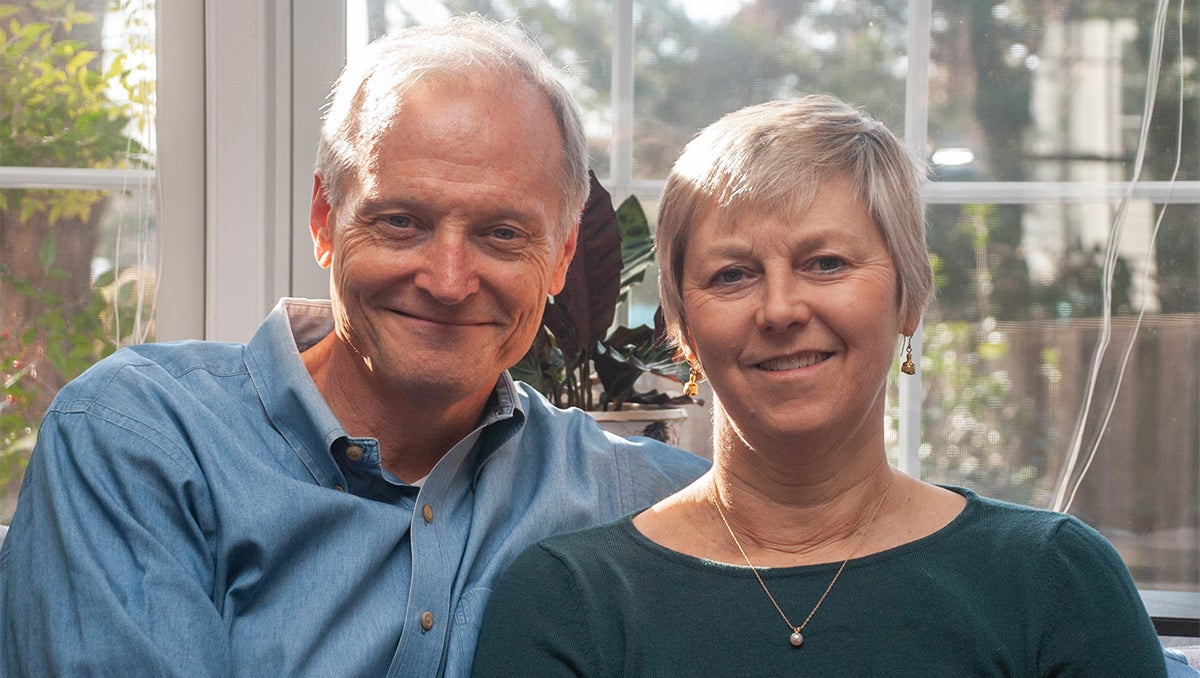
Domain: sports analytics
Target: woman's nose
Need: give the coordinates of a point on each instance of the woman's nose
(784, 302)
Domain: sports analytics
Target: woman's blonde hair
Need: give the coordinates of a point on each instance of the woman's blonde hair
(770, 157)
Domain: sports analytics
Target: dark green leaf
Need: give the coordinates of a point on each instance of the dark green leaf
(585, 308)
(637, 245)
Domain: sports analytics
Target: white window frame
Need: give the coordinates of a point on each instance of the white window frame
(262, 128)
(237, 141)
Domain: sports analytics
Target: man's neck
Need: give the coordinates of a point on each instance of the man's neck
(414, 430)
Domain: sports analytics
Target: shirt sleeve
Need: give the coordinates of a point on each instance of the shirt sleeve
(1097, 625)
(106, 569)
(652, 470)
(534, 624)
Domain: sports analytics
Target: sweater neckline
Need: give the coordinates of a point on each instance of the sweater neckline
(970, 509)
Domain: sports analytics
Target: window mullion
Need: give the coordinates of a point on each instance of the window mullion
(621, 148)
(78, 178)
(916, 126)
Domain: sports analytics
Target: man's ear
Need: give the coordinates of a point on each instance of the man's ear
(318, 223)
(565, 253)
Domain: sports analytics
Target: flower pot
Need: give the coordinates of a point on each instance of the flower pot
(660, 424)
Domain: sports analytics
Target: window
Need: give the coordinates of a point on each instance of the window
(78, 251)
(1059, 362)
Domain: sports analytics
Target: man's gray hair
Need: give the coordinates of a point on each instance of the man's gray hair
(368, 95)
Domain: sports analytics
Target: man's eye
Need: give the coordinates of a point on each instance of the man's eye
(399, 221)
(504, 233)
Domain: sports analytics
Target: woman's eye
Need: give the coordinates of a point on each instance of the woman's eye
(729, 276)
(829, 264)
(399, 221)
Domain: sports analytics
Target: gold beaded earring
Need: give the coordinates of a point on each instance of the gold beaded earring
(908, 366)
(691, 389)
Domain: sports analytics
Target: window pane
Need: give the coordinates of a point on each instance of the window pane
(77, 250)
(1054, 91)
(693, 64)
(1007, 371)
(577, 36)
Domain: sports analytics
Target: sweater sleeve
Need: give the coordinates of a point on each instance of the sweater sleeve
(533, 625)
(1095, 622)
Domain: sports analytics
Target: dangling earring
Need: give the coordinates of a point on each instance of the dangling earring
(691, 389)
(908, 366)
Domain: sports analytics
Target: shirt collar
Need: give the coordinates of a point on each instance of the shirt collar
(298, 410)
(289, 396)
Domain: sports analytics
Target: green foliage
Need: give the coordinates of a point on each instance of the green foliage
(56, 107)
(61, 106)
(574, 352)
(978, 430)
(58, 343)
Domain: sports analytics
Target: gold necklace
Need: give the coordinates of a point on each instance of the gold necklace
(796, 639)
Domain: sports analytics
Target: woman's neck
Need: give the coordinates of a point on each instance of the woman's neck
(800, 518)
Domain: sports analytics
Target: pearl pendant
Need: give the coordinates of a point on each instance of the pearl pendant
(796, 639)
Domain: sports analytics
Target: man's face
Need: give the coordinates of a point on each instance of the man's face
(445, 249)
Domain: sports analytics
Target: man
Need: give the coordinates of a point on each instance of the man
(336, 496)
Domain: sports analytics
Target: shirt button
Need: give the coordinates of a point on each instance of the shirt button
(427, 513)
(426, 620)
(354, 453)
(339, 488)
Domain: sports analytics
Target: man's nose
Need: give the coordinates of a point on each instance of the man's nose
(448, 273)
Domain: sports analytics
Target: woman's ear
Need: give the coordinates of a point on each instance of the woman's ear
(686, 347)
(910, 324)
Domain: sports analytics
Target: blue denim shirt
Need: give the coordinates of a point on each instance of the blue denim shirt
(196, 509)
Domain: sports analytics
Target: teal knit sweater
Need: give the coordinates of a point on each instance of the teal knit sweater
(1003, 590)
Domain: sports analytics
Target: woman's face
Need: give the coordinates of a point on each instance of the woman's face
(794, 319)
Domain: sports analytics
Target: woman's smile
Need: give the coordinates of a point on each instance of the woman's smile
(794, 362)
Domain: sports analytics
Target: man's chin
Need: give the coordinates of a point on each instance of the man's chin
(442, 377)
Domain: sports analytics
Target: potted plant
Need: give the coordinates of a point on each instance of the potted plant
(578, 359)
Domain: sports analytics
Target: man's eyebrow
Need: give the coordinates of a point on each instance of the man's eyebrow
(496, 213)
(381, 204)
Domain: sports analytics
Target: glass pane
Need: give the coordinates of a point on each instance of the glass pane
(77, 244)
(577, 36)
(1055, 91)
(696, 61)
(1008, 371)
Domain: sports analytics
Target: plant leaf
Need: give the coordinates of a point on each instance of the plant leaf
(637, 245)
(627, 354)
(48, 252)
(582, 313)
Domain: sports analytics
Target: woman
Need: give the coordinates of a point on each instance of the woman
(791, 241)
